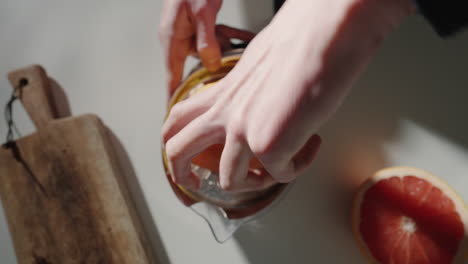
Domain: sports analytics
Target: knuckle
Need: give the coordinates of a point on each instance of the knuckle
(173, 152)
(235, 133)
(176, 112)
(236, 125)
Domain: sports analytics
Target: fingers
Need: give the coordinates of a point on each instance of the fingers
(178, 52)
(191, 27)
(284, 169)
(187, 110)
(281, 171)
(207, 44)
(176, 33)
(235, 175)
(234, 163)
(224, 35)
(303, 159)
(191, 140)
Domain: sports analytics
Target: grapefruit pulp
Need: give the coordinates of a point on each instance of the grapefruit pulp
(404, 215)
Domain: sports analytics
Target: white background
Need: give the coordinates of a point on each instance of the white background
(409, 108)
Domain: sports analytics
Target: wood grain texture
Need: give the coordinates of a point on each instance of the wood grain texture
(81, 211)
(33, 89)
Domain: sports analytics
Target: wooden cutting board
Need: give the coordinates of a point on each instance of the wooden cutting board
(62, 189)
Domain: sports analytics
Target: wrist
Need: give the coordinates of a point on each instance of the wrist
(332, 41)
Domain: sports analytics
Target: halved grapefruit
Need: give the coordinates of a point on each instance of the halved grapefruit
(404, 215)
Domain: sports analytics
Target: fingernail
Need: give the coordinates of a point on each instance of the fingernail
(213, 64)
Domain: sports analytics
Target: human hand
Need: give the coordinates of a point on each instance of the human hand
(286, 85)
(187, 27)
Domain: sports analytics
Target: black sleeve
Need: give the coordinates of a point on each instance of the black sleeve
(447, 17)
(277, 4)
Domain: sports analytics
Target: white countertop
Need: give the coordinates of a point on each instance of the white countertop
(408, 109)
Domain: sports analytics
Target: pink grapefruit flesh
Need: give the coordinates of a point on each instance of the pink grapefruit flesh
(405, 215)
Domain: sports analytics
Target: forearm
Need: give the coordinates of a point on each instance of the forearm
(349, 35)
(346, 26)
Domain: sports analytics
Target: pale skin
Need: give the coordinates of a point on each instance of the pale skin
(291, 79)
